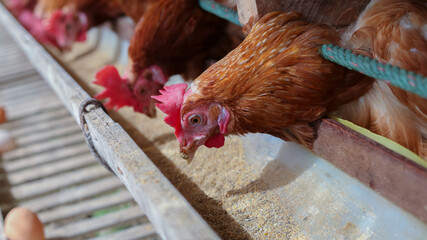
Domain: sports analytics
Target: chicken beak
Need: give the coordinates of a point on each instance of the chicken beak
(151, 109)
(188, 151)
(187, 156)
(129, 75)
(64, 44)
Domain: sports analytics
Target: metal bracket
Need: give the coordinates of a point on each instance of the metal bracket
(82, 112)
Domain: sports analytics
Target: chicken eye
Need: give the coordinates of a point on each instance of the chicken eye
(148, 75)
(68, 27)
(195, 119)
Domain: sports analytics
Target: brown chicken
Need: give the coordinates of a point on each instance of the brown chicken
(392, 31)
(97, 11)
(172, 37)
(42, 28)
(68, 20)
(135, 8)
(275, 82)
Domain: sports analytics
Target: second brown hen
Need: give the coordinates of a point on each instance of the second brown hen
(67, 21)
(394, 32)
(172, 37)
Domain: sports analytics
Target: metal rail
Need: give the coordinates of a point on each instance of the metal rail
(149, 187)
(51, 170)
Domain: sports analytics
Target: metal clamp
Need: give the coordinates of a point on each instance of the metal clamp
(83, 125)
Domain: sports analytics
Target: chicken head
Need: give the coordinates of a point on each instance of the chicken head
(130, 91)
(195, 126)
(67, 26)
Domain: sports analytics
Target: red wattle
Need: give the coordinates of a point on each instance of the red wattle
(216, 141)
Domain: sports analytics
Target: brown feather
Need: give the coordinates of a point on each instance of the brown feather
(392, 31)
(135, 8)
(45, 7)
(97, 11)
(175, 35)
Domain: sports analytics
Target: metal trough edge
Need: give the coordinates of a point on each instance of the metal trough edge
(2, 236)
(171, 214)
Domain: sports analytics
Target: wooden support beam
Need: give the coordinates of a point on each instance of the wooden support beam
(395, 177)
(332, 12)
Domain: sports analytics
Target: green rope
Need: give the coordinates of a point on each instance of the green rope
(220, 11)
(401, 78)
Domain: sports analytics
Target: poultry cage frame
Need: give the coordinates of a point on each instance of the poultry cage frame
(2, 236)
(377, 169)
(124, 157)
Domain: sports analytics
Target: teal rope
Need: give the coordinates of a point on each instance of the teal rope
(220, 11)
(401, 78)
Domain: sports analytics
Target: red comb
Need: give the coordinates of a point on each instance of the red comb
(116, 89)
(171, 99)
(52, 20)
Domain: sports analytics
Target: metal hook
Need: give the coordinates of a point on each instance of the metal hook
(83, 125)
